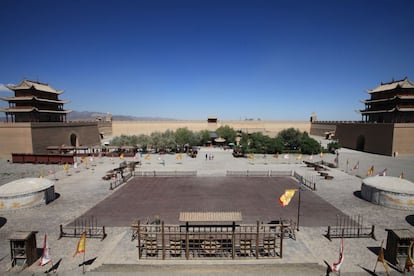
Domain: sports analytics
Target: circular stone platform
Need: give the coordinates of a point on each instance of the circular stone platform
(389, 191)
(26, 192)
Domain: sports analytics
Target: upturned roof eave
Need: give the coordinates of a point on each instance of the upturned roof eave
(27, 84)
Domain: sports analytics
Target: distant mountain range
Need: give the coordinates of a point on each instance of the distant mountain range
(92, 116)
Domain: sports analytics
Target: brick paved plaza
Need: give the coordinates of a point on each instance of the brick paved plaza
(255, 197)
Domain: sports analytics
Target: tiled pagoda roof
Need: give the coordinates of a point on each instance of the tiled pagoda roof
(27, 84)
(29, 98)
(404, 83)
(31, 109)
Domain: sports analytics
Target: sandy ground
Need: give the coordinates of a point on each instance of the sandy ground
(83, 188)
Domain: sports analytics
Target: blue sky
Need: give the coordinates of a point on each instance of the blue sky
(273, 60)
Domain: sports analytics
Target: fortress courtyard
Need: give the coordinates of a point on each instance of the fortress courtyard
(83, 192)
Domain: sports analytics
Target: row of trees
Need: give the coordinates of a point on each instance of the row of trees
(288, 140)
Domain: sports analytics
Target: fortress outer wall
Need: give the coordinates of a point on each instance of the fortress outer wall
(270, 128)
(34, 138)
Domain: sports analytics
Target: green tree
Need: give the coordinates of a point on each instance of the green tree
(227, 133)
(143, 141)
(244, 143)
(333, 146)
(204, 137)
(309, 145)
(155, 140)
(291, 138)
(183, 136)
(168, 140)
(275, 145)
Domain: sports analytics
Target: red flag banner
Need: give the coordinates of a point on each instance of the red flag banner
(285, 198)
(356, 167)
(336, 267)
(383, 173)
(46, 254)
(81, 244)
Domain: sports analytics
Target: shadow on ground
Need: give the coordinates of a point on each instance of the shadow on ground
(410, 219)
(3, 221)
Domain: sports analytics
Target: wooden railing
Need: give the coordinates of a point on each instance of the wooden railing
(350, 227)
(217, 241)
(88, 225)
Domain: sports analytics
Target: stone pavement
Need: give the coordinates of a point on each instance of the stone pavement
(117, 255)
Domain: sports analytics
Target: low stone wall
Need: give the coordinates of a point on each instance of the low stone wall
(390, 192)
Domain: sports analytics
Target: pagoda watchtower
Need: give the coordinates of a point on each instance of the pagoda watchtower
(391, 102)
(34, 102)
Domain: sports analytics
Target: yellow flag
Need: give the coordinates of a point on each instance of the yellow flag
(81, 244)
(321, 154)
(121, 156)
(41, 175)
(179, 157)
(299, 157)
(276, 155)
(402, 175)
(148, 157)
(381, 259)
(409, 262)
(370, 171)
(286, 197)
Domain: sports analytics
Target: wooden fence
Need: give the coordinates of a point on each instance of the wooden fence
(310, 183)
(267, 173)
(350, 227)
(212, 241)
(88, 225)
(165, 173)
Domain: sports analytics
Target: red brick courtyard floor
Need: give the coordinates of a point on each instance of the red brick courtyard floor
(255, 197)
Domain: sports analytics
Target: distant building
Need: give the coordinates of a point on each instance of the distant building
(34, 102)
(391, 102)
(36, 120)
(387, 125)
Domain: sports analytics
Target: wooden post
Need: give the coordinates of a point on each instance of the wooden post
(233, 246)
(103, 231)
(163, 240)
(139, 239)
(61, 231)
(187, 246)
(373, 232)
(257, 240)
(281, 240)
(329, 233)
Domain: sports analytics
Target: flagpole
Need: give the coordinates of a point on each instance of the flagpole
(83, 264)
(300, 188)
(375, 268)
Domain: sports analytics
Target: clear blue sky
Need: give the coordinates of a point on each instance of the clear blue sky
(273, 60)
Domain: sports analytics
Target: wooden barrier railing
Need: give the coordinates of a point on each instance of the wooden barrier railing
(88, 225)
(265, 173)
(217, 241)
(350, 227)
(165, 173)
